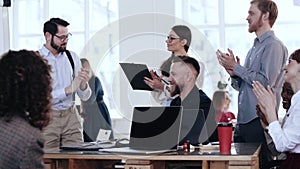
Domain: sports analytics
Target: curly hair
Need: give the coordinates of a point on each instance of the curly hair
(25, 87)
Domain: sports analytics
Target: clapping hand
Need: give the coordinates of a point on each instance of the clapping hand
(84, 76)
(266, 101)
(79, 81)
(261, 115)
(228, 60)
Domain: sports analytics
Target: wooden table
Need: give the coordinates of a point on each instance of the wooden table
(243, 156)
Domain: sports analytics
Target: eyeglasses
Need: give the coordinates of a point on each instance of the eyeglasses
(64, 37)
(170, 38)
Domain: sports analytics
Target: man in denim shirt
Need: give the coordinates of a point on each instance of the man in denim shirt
(264, 63)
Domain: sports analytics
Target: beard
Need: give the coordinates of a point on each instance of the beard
(286, 104)
(255, 25)
(56, 47)
(175, 90)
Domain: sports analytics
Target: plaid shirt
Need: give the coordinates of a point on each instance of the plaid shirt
(21, 145)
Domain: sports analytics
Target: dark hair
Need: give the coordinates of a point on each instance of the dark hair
(187, 60)
(286, 95)
(296, 55)
(183, 32)
(51, 25)
(267, 6)
(25, 87)
(165, 66)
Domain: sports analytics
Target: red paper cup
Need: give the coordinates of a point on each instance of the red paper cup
(225, 137)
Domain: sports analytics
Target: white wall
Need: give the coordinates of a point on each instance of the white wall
(4, 30)
(143, 28)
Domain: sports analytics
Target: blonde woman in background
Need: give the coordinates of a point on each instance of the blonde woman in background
(95, 113)
(221, 101)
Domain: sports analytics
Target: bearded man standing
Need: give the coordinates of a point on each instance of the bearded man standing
(68, 78)
(264, 63)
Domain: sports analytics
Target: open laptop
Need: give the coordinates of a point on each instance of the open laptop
(135, 74)
(154, 130)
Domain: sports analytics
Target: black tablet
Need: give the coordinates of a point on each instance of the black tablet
(135, 74)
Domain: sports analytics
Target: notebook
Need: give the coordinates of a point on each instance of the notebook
(154, 129)
(135, 74)
(89, 146)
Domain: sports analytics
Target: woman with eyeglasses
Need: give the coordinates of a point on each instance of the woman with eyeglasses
(178, 42)
(286, 137)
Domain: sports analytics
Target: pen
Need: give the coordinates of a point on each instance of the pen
(162, 79)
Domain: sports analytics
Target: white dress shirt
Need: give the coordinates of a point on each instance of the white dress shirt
(287, 138)
(61, 73)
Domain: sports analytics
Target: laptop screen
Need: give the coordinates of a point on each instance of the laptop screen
(155, 128)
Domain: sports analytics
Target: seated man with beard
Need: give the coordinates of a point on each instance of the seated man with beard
(183, 75)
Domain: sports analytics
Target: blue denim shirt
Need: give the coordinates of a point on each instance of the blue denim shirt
(264, 63)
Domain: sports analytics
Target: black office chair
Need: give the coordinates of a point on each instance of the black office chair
(275, 164)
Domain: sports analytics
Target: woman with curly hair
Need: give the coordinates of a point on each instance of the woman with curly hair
(25, 103)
